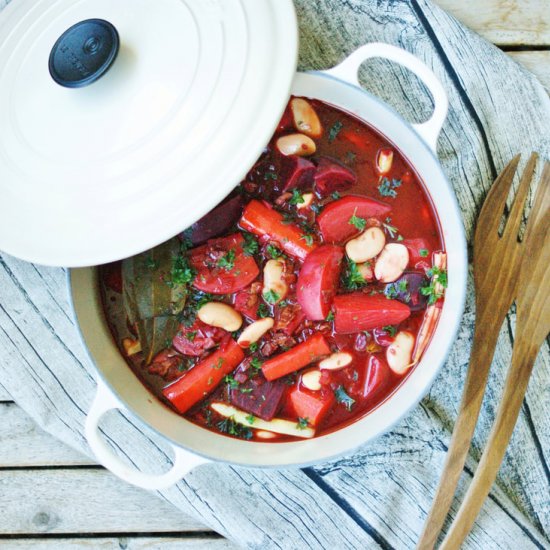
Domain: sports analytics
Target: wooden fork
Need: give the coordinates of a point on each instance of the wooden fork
(532, 327)
(496, 268)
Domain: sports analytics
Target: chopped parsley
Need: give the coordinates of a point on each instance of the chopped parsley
(231, 382)
(273, 251)
(391, 330)
(423, 252)
(344, 398)
(335, 195)
(150, 263)
(191, 335)
(387, 188)
(302, 423)
(253, 347)
(227, 261)
(182, 272)
(334, 131)
(250, 246)
(250, 419)
(330, 316)
(392, 230)
(219, 364)
(270, 176)
(358, 223)
(297, 197)
(229, 426)
(271, 297)
(308, 239)
(438, 277)
(263, 311)
(351, 277)
(256, 363)
(246, 390)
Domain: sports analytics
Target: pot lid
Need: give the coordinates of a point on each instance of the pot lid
(124, 122)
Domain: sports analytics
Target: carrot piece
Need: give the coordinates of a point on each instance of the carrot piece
(358, 311)
(294, 359)
(311, 406)
(203, 378)
(262, 220)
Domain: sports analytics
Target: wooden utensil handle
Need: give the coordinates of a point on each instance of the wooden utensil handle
(523, 358)
(485, 339)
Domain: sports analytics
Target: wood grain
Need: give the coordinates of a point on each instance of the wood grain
(504, 22)
(118, 543)
(74, 500)
(536, 62)
(359, 501)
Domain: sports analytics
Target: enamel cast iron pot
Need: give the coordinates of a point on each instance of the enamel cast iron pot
(133, 150)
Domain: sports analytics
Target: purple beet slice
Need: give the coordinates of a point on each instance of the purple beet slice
(295, 173)
(332, 176)
(216, 222)
(259, 397)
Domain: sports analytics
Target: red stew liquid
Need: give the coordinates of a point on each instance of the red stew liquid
(330, 251)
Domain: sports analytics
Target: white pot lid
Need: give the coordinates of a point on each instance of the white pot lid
(103, 170)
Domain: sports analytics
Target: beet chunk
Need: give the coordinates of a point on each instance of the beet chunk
(264, 399)
(295, 173)
(332, 176)
(407, 290)
(216, 222)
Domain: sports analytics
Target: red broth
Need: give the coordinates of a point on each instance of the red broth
(371, 318)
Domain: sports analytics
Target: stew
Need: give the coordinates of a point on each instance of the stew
(302, 301)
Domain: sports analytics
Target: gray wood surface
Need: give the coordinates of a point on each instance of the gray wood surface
(378, 497)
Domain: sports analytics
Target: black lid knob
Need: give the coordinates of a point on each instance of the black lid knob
(84, 53)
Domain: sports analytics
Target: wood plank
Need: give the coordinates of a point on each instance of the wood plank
(24, 444)
(118, 543)
(82, 501)
(536, 62)
(4, 395)
(504, 22)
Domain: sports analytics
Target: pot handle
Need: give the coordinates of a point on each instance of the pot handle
(349, 68)
(184, 461)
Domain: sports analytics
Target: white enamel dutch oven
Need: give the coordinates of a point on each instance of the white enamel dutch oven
(119, 388)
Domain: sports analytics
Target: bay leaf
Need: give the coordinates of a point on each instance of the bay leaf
(156, 334)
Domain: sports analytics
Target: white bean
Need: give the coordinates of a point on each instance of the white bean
(336, 361)
(308, 199)
(391, 263)
(296, 144)
(252, 333)
(399, 352)
(311, 379)
(384, 161)
(217, 314)
(305, 118)
(275, 287)
(367, 246)
(262, 434)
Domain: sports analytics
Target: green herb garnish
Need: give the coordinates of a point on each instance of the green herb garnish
(391, 330)
(250, 246)
(273, 251)
(262, 311)
(271, 297)
(250, 419)
(330, 316)
(358, 223)
(351, 277)
(227, 261)
(219, 364)
(253, 347)
(423, 252)
(438, 277)
(256, 363)
(231, 382)
(302, 423)
(343, 397)
(387, 188)
(297, 197)
(335, 195)
(229, 426)
(308, 239)
(182, 272)
(334, 131)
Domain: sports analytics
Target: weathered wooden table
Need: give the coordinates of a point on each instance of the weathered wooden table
(54, 497)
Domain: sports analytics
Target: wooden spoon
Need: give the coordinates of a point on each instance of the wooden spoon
(532, 327)
(496, 266)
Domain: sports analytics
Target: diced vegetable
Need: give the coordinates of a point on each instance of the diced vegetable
(197, 338)
(289, 318)
(357, 311)
(313, 406)
(331, 176)
(277, 425)
(312, 349)
(318, 281)
(407, 290)
(247, 301)
(264, 221)
(334, 220)
(377, 377)
(259, 397)
(204, 377)
(222, 266)
(296, 173)
(216, 222)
